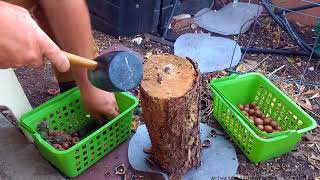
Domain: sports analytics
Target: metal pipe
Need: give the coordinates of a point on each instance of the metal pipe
(274, 51)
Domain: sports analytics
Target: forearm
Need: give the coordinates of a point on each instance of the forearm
(70, 23)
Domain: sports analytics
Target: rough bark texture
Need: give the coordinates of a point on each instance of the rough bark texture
(173, 124)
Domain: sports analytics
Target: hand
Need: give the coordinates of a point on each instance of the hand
(23, 43)
(99, 103)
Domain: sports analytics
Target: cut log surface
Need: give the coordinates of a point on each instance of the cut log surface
(170, 94)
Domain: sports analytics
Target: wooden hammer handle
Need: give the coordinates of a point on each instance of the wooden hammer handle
(80, 61)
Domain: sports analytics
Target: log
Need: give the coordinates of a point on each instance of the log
(169, 95)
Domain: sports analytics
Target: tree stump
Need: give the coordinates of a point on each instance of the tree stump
(169, 96)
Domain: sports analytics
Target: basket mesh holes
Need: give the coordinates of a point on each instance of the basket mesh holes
(51, 115)
(98, 137)
(84, 146)
(77, 163)
(55, 128)
(104, 132)
(99, 154)
(86, 163)
(78, 169)
(72, 111)
(99, 149)
(76, 151)
(110, 128)
(91, 141)
(84, 152)
(64, 108)
(70, 104)
(92, 147)
(85, 158)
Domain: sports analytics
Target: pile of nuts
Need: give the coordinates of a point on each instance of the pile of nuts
(60, 139)
(253, 112)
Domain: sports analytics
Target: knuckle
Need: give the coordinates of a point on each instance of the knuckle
(32, 56)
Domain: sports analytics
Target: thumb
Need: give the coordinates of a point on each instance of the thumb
(51, 51)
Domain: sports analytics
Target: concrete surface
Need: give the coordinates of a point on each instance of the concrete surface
(20, 160)
(4, 122)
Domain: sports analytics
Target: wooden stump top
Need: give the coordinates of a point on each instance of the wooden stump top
(167, 76)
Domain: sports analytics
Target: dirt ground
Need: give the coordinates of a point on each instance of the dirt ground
(302, 163)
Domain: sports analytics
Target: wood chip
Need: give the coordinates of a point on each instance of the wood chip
(148, 55)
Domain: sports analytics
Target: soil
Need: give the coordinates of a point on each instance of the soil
(302, 163)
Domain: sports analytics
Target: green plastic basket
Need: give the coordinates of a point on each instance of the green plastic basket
(230, 91)
(66, 112)
(251, 124)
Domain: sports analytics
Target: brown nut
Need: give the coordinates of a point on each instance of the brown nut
(258, 121)
(257, 113)
(252, 105)
(268, 129)
(251, 118)
(65, 145)
(74, 134)
(278, 128)
(273, 124)
(57, 146)
(251, 112)
(241, 107)
(260, 127)
(74, 140)
(257, 108)
(266, 121)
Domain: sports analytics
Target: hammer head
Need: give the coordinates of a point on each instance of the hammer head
(117, 71)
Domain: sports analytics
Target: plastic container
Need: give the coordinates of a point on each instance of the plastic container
(66, 112)
(123, 17)
(230, 91)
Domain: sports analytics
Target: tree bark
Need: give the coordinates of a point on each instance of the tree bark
(170, 103)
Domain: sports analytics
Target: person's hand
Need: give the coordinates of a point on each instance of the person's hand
(99, 103)
(23, 43)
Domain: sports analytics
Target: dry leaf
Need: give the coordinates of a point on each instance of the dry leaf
(53, 92)
(135, 123)
(317, 158)
(308, 103)
(313, 91)
(315, 96)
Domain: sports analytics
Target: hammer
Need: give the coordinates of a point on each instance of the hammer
(116, 71)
